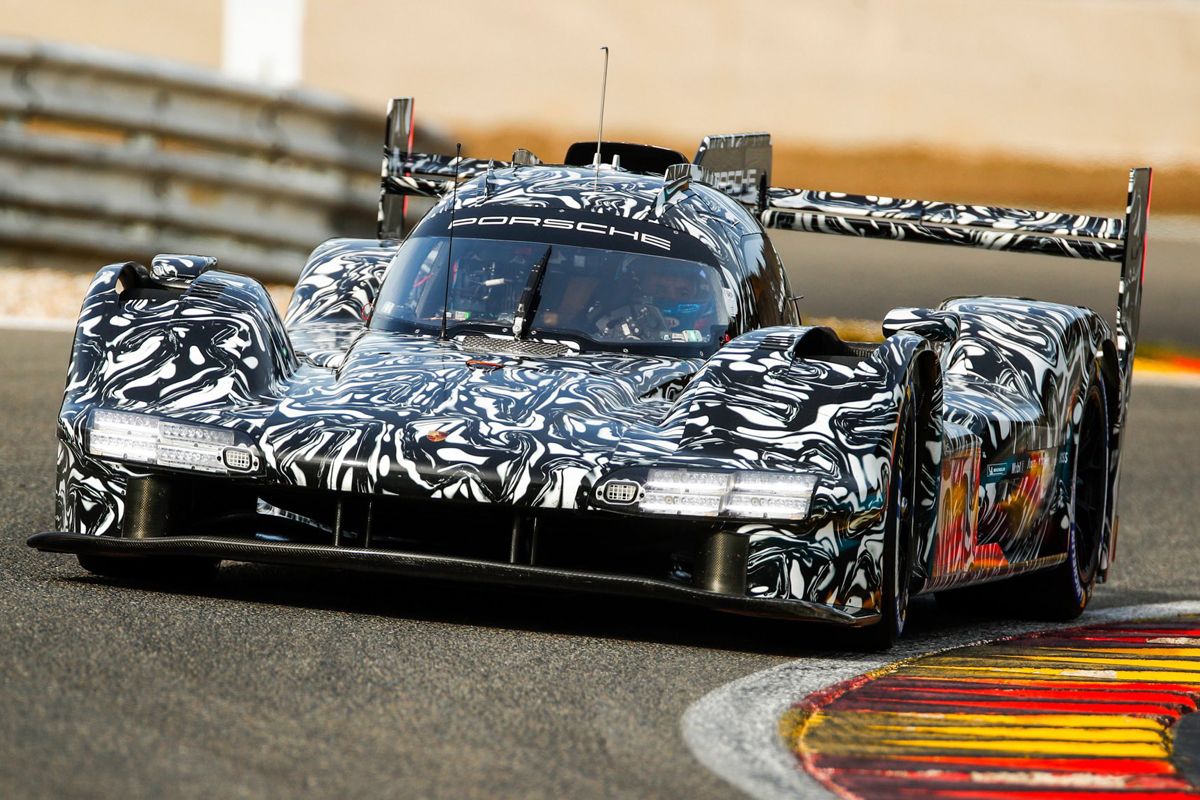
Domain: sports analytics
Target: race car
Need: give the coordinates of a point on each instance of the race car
(592, 376)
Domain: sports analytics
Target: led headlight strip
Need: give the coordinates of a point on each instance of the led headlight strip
(153, 440)
(753, 494)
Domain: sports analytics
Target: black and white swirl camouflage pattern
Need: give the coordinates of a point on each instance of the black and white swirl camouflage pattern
(989, 227)
(334, 405)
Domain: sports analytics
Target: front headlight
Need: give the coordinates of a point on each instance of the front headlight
(181, 445)
(680, 491)
(703, 493)
(770, 495)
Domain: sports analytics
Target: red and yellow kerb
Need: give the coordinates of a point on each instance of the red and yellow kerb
(1063, 714)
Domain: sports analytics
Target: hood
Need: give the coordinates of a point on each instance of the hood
(408, 415)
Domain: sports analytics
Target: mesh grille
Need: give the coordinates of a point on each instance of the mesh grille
(517, 347)
(862, 349)
(236, 458)
(621, 492)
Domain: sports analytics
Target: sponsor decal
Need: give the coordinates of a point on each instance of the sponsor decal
(554, 223)
(743, 179)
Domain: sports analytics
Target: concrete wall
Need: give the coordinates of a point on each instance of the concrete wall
(1080, 80)
(185, 31)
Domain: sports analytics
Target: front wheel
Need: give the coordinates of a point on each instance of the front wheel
(899, 541)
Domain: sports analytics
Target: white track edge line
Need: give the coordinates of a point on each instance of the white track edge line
(36, 324)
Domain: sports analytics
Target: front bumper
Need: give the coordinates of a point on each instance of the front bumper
(422, 565)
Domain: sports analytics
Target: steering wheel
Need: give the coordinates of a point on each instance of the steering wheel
(636, 321)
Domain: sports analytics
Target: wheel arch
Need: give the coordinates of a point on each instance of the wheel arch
(1110, 371)
(927, 384)
(137, 340)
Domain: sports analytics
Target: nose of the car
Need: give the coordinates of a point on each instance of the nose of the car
(468, 428)
(442, 454)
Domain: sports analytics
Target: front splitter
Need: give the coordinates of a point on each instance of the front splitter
(421, 565)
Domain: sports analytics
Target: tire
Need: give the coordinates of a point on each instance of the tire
(1062, 592)
(160, 569)
(899, 541)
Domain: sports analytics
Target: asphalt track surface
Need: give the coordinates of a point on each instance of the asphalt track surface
(277, 682)
(737, 728)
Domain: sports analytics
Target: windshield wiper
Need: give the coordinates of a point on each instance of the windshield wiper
(527, 307)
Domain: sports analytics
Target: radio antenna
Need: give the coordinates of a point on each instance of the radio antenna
(450, 243)
(600, 132)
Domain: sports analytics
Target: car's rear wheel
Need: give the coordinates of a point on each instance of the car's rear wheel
(899, 535)
(174, 570)
(1063, 591)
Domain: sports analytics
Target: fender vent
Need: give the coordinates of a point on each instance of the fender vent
(778, 342)
(206, 290)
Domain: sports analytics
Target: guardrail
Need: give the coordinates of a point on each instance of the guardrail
(120, 157)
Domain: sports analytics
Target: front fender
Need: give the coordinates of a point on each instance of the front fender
(208, 346)
(771, 400)
(216, 341)
(761, 402)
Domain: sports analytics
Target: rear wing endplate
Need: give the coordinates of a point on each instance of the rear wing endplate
(407, 174)
(737, 164)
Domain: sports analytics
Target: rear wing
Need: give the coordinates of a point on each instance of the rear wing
(1120, 241)
(739, 165)
(407, 174)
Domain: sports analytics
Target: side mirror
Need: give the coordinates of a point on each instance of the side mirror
(936, 326)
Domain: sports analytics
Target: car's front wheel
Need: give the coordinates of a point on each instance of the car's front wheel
(899, 535)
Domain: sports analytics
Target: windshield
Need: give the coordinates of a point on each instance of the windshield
(610, 297)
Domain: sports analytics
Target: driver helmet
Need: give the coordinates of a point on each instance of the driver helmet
(680, 291)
